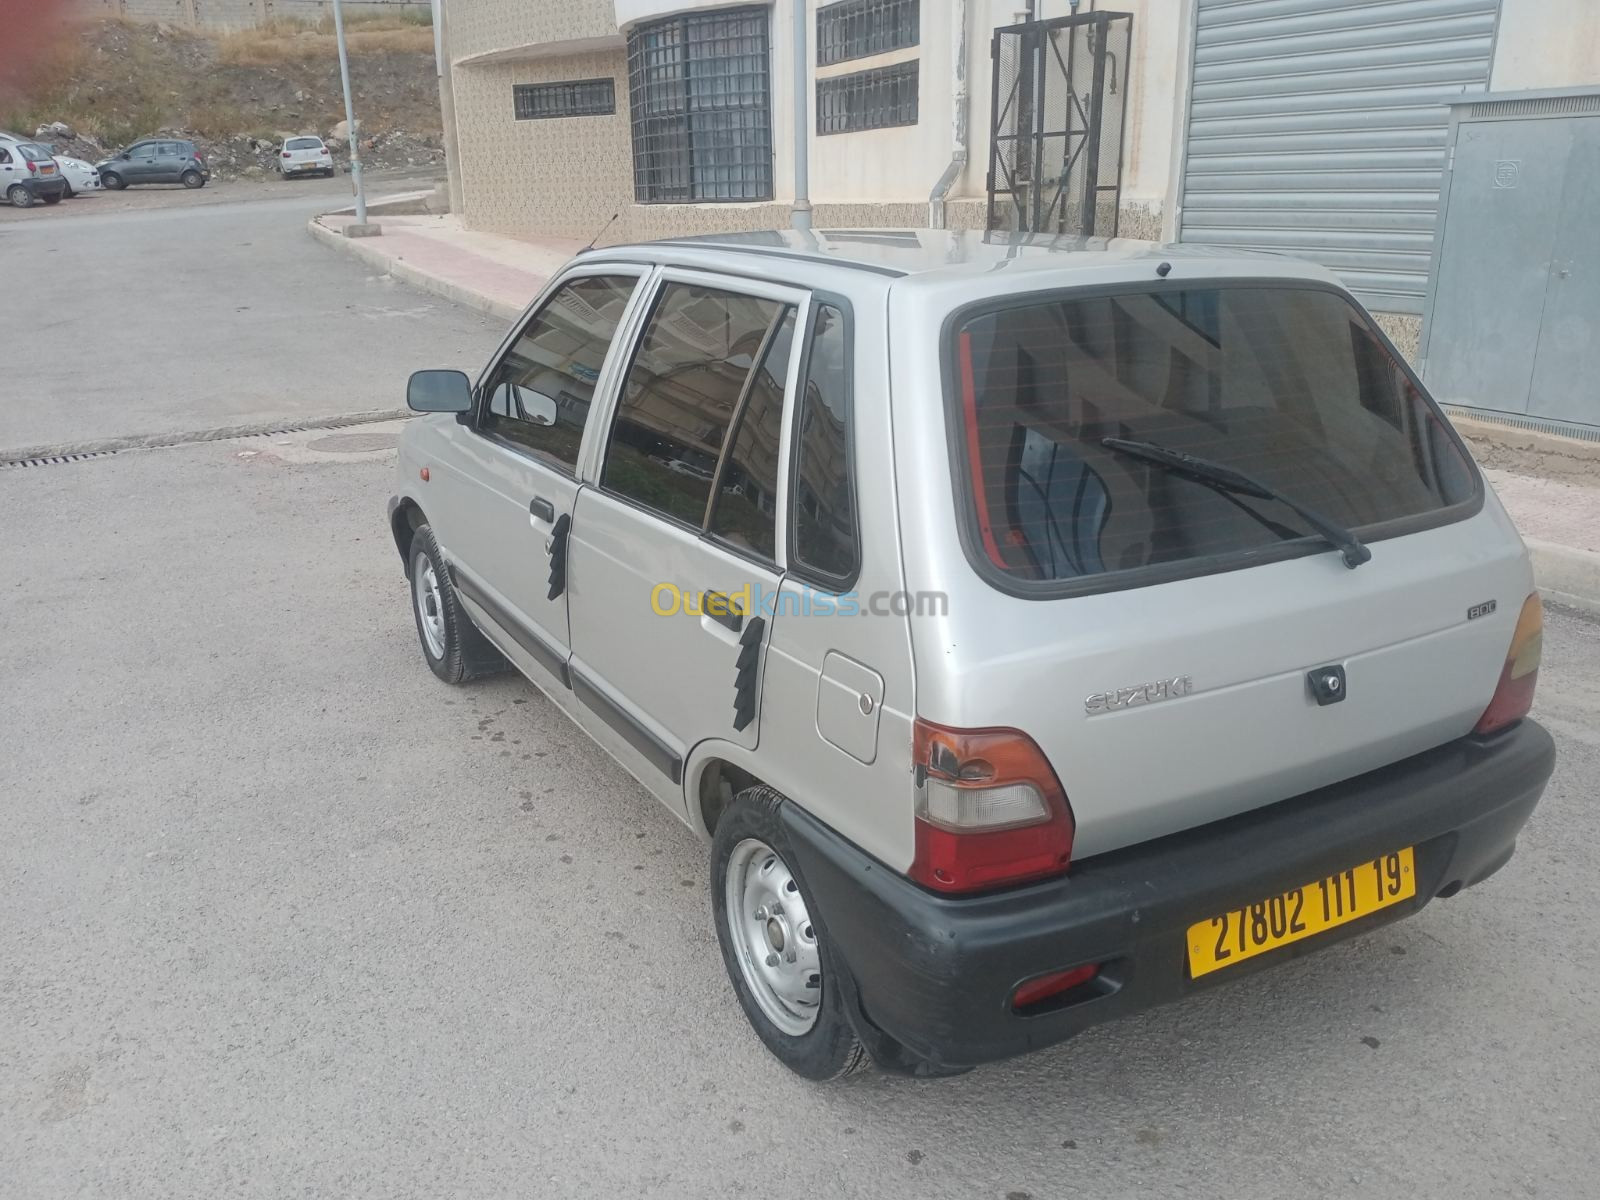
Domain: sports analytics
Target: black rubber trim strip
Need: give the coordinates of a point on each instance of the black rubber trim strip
(549, 657)
(558, 556)
(660, 755)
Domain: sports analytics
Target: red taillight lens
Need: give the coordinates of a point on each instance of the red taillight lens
(33, 168)
(286, 154)
(990, 810)
(1514, 695)
(1045, 987)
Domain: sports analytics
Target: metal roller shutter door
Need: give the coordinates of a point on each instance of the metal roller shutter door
(1318, 128)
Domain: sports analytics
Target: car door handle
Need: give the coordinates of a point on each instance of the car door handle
(721, 610)
(543, 509)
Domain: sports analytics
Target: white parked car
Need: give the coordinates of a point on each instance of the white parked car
(1090, 626)
(81, 177)
(304, 156)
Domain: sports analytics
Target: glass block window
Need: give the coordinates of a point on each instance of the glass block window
(873, 99)
(702, 111)
(573, 98)
(860, 28)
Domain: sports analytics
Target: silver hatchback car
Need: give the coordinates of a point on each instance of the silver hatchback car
(1035, 633)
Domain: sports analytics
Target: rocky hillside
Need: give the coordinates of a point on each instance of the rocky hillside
(105, 84)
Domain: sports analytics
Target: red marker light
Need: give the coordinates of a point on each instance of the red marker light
(424, 474)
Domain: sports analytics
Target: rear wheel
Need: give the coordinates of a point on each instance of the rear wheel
(193, 179)
(773, 945)
(113, 181)
(455, 650)
(19, 197)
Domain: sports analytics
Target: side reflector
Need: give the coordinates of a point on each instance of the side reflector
(1514, 695)
(424, 474)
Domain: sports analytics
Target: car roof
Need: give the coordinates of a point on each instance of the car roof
(942, 256)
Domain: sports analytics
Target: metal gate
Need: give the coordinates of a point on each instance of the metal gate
(1055, 158)
(1317, 128)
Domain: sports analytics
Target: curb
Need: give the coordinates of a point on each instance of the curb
(406, 273)
(1566, 576)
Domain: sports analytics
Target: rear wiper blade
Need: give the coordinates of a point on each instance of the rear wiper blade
(1226, 479)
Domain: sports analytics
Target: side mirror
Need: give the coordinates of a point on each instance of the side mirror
(124, 154)
(537, 407)
(439, 391)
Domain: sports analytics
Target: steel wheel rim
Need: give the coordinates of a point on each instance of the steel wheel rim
(430, 607)
(773, 936)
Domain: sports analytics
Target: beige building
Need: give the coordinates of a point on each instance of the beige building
(1314, 127)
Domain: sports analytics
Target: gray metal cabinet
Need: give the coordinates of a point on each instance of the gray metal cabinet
(1514, 307)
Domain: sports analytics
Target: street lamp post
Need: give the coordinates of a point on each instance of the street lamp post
(360, 228)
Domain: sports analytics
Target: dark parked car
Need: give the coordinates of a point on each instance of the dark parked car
(28, 173)
(155, 160)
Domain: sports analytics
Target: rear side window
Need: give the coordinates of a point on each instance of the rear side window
(744, 513)
(823, 502)
(1289, 386)
(539, 395)
(680, 396)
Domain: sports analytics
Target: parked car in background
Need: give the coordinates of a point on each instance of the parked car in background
(28, 173)
(81, 177)
(304, 156)
(1195, 640)
(155, 160)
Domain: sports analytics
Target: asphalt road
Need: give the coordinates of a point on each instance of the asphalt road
(282, 914)
(159, 310)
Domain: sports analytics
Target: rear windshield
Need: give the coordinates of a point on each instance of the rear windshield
(302, 144)
(34, 153)
(1288, 385)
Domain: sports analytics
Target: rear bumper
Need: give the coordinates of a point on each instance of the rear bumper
(930, 978)
(56, 185)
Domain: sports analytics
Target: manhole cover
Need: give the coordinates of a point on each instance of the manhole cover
(354, 443)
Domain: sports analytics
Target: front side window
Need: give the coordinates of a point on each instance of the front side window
(148, 150)
(823, 504)
(539, 396)
(681, 395)
(1288, 386)
(700, 89)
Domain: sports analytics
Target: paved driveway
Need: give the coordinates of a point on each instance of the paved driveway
(281, 914)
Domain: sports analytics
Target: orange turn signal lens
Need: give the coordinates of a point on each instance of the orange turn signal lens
(1513, 697)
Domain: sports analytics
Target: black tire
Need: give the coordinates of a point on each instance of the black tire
(829, 1049)
(464, 652)
(19, 197)
(113, 181)
(56, 199)
(193, 179)
(70, 194)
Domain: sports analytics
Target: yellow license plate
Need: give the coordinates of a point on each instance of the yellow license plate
(1305, 912)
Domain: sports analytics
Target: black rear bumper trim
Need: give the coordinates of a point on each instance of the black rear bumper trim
(936, 974)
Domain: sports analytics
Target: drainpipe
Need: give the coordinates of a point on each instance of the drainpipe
(800, 217)
(958, 130)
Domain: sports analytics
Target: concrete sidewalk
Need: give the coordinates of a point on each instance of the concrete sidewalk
(498, 275)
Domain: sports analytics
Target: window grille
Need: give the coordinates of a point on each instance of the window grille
(572, 98)
(876, 99)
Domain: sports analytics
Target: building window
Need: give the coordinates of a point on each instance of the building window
(873, 99)
(861, 28)
(702, 117)
(574, 98)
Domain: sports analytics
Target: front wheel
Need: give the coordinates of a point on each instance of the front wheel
(455, 650)
(193, 179)
(773, 945)
(70, 193)
(19, 197)
(113, 181)
(56, 199)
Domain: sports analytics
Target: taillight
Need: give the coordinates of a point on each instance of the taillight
(1514, 695)
(286, 154)
(990, 810)
(33, 168)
